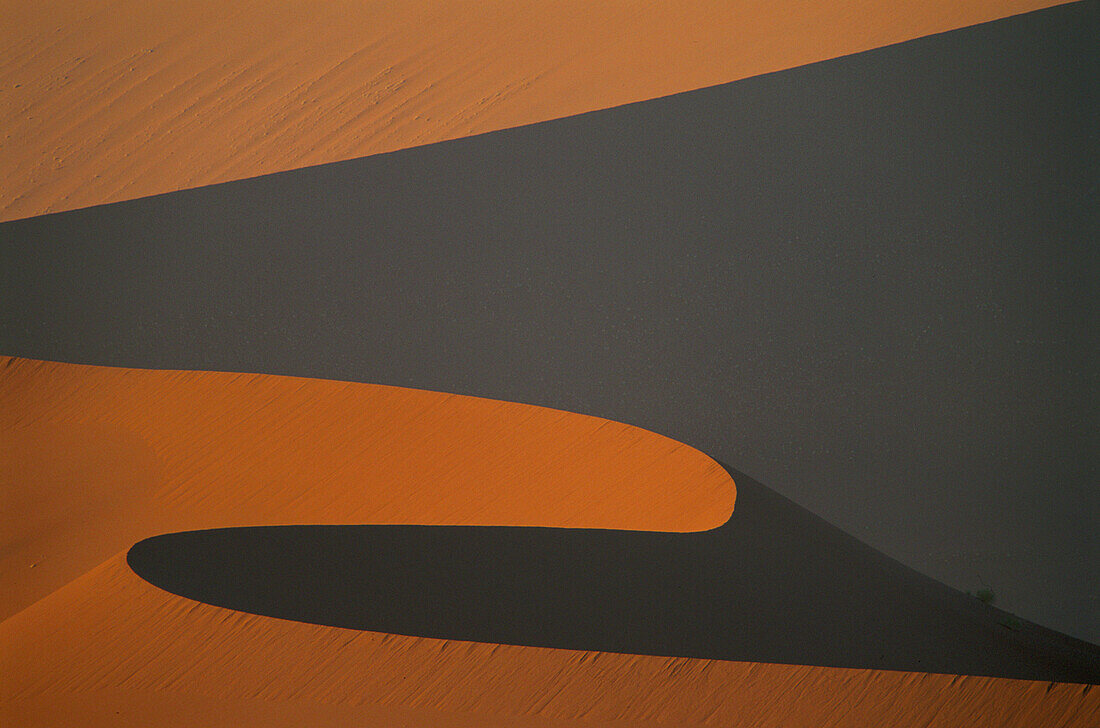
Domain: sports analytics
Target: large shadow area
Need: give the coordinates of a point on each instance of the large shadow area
(764, 587)
(869, 283)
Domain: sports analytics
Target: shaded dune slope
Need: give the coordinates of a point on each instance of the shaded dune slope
(109, 648)
(113, 648)
(106, 100)
(774, 584)
(798, 273)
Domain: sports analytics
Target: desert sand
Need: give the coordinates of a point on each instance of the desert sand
(107, 100)
(97, 459)
(837, 278)
(110, 100)
(207, 449)
(132, 655)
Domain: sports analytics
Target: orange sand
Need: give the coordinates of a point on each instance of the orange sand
(97, 458)
(133, 655)
(107, 100)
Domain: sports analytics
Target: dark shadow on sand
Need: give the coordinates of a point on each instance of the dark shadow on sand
(868, 282)
(775, 584)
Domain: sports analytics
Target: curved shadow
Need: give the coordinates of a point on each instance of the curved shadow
(774, 584)
(888, 255)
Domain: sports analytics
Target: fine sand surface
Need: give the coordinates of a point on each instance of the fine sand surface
(106, 100)
(867, 283)
(96, 459)
(132, 655)
(109, 648)
(861, 280)
(773, 584)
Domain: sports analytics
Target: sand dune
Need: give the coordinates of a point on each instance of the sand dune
(136, 653)
(859, 281)
(106, 100)
(772, 584)
(110, 100)
(99, 458)
(211, 449)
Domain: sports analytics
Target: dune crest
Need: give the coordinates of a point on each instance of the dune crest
(114, 456)
(108, 648)
(108, 100)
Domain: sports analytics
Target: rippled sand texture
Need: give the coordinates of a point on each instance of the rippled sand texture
(105, 456)
(107, 100)
(110, 649)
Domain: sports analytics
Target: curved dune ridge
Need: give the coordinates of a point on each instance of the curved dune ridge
(99, 458)
(110, 100)
(842, 278)
(192, 448)
(199, 449)
(773, 584)
(107, 100)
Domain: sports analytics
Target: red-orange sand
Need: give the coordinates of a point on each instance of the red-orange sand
(96, 458)
(107, 100)
(113, 642)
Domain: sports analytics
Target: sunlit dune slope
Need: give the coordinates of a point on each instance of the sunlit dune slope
(100, 457)
(106, 100)
(110, 649)
(97, 458)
